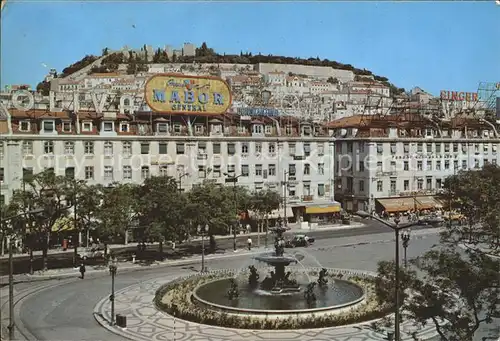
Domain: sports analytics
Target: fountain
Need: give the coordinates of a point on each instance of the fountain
(278, 295)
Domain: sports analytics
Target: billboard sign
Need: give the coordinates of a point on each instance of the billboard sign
(459, 96)
(270, 112)
(180, 94)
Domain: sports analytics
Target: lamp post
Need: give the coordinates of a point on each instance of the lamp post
(12, 324)
(202, 230)
(405, 237)
(112, 271)
(285, 186)
(234, 180)
(181, 175)
(396, 227)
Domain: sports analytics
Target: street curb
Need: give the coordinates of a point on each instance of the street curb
(464, 247)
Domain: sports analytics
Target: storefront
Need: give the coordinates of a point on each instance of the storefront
(405, 204)
(324, 213)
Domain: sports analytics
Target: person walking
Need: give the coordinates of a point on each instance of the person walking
(82, 270)
(249, 242)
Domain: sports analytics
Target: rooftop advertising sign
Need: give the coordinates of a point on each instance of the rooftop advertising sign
(459, 96)
(179, 94)
(258, 112)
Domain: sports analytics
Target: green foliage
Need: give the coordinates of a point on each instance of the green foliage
(264, 202)
(86, 61)
(43, 88)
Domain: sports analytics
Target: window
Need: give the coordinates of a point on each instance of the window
(428, 183)
(87, 126)
(455, 164)
(291, 170)
(127, 172)
(48, 147)
(349, 147)
(244, 148)
(144, 172)
(179, 148)
(361, 185)
(379, 166)
(393, 166)
(245, 170)
(271, 170)
(420, 184)
(108, 148)
(446, 164)
(257, 128)
(162, 128)
(202, 147)
(307, 169)
(393, 148)
(216, 148)
(163, 170)
(89, 147)
(446, 147)
(127, 148)
(291, 148)
(476, 163)
(362, 166)
(420, 147)
(464, 164)
(231, 169)
(124, 127)
(361, 146)
(231, 149)
(24, 126)
(48, 126)
(307, 149)
(380, 149)
(428, 148)
(66, 127)
(108, 173)
(485, 147)
(107, 126)
(429, 164)
(419, 165)
(438, 165)
(177, 128)
(307, 189)
(438, 148)
(69, 147)
(380, 185)
(27, 174)
(27, 147)
(69, 172)
(465, 147)
(321, 168)
(272, 148)
(162, 148)
(144, 147)
(258, 170)
(89, 173)
(439, 183)
(406, 185)
(2, 175)
(494, 161)
(393, 186)
(321, 149)
(455, 148)
(406, 165)
(321, 190)
(258, 147)
(198, 128)
(269, 129)
(217, 171)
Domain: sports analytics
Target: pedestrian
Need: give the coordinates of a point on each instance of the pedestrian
(82, 270)
(249, 241)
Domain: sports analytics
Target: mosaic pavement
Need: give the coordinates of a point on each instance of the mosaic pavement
(145, 322)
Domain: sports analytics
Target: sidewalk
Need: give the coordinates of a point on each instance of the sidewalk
(484, 249)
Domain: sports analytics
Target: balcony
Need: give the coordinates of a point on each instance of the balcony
(307, 198)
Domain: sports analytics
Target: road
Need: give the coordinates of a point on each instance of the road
(63, 310)
(65, 259)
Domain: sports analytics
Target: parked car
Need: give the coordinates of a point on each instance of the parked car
(91, 252)
(299, 240)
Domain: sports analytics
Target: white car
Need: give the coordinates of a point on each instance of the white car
(91, 252)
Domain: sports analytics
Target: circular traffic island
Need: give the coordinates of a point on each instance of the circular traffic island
(313, 298)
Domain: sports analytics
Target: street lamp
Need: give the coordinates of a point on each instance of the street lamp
(12, 324)
(396, 227)
(181, 175)
(405, 237)
(285, 186)
(112, 271)
(234, 180)
(202, 230)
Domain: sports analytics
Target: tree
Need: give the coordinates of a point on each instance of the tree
(43, 88)
(164, 212)
(118, 212)
(263, 203)
(45, 191)
(105, 51)
(88, 203)
(6, 227)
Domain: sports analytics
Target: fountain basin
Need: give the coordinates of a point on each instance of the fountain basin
(336, 298)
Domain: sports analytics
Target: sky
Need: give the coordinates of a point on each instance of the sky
(433, 45)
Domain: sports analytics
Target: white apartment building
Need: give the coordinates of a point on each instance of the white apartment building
(399, 169)
(296, 157)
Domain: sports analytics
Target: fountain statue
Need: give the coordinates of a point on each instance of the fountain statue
(278, 282)
(253, 278)
(233, 291)
(309, 294)
(322, 280)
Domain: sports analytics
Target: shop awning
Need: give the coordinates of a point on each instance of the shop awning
(392, 205)
(334, 208)
(63, 224)
(274, 214)
(427, 203)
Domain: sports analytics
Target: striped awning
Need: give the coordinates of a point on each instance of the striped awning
(323, 209)
(63, 224)
(427, 203)
(392, 205)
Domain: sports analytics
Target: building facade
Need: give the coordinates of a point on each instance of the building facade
(400, 163)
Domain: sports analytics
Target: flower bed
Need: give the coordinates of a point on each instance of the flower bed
(175, 299)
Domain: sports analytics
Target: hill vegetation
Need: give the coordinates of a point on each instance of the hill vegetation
(137, 62)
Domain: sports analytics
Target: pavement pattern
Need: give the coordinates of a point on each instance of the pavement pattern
(146, 323)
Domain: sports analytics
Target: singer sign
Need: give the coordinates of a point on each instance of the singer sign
(180, 94)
